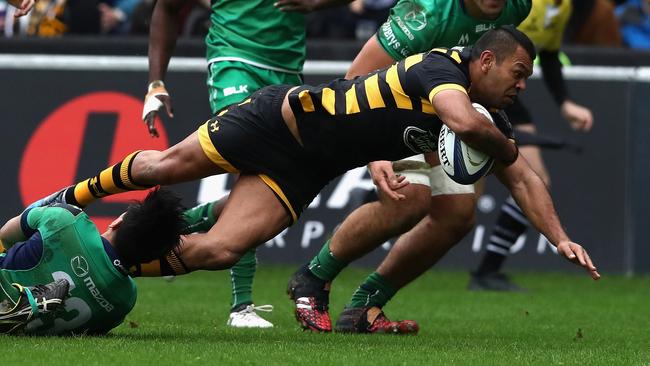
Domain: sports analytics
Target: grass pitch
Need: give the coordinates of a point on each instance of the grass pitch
(564, 319)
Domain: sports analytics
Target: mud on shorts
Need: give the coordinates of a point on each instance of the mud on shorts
(252, 138)
(417, 171)
(231, 82)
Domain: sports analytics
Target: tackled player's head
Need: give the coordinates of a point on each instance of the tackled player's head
(150, 229)
(501, 61)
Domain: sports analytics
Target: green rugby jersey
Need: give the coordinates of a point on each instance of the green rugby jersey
(257, 33)
(72, 248)
(415, 26)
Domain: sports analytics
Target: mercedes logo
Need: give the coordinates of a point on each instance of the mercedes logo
(79, 266)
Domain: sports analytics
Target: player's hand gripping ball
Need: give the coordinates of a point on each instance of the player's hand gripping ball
(463, 164)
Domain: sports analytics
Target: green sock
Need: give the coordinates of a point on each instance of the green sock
(199, 219)
(374, 291)
(241, 275)
(324, 265)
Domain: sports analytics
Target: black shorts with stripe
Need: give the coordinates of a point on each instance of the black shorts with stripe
(252, 138)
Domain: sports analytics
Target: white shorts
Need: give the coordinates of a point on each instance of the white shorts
(417, 171)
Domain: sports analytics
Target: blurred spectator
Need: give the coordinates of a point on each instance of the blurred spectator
(359, 20)
(594, 23)
(50, 18)
(634, 16)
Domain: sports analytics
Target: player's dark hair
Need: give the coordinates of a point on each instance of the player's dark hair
(150, 228)
(503, 41)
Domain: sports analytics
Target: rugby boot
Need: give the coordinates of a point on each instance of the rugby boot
(56, 197)
(311, 297)
(371, 319)
(33, 301)
(493, 281)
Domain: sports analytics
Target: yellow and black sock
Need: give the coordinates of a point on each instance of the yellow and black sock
(169, 265)
(115, 179)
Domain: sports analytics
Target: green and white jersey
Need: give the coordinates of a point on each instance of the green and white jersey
(257, 33)
(415, 26)
(72, 248)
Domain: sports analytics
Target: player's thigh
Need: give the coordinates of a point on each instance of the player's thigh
(231, 82)
(451, 202)
(183, 162)
(533, 154)
(252, 215)
(416, 171)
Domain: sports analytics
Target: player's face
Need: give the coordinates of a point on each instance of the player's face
(490, 8)
(503, 81)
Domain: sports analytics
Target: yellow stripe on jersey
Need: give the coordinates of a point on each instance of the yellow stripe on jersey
(305, 100)
(276, 188)
(211, 152)
(222, 112)
(351, 102)
(456, 56)
(402, 101)
(375, 99)
(427, 107)
(328, 100)
(412, 60)
(244, 102)
(448, 86)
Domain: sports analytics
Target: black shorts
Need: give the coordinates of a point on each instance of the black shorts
(252, 138)
(518, 114)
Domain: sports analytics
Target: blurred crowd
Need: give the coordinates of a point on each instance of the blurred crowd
(594, 22)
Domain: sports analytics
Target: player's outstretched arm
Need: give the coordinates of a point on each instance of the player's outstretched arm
(531, 195)
(163, 33)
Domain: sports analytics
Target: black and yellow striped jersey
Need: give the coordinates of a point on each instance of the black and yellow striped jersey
(385, 115)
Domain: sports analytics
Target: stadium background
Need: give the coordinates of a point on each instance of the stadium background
(64, 117)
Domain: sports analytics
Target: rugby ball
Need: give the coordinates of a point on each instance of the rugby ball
(462, 163)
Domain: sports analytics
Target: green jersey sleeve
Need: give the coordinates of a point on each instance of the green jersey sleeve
(47, 218)
(416, 26)
(408, 29)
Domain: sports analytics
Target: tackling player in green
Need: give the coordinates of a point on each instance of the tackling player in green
(250, 44)
(59, 242)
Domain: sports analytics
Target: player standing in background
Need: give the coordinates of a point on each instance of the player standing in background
(60, 242)
(437, 211)
(545, 26)
(250, 44)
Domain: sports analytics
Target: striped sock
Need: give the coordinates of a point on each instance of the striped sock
(510, 224)
(115, 179)
(169, 265)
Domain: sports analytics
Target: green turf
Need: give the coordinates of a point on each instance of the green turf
(565, 319)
